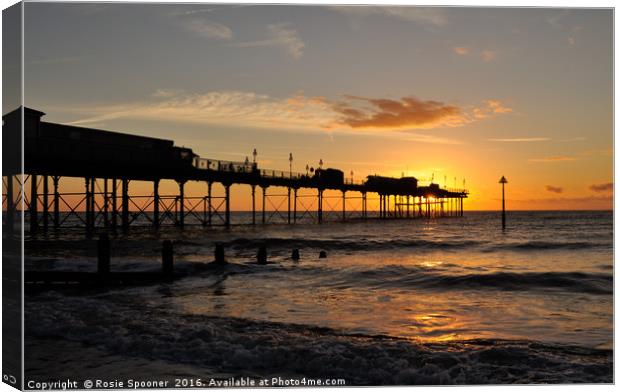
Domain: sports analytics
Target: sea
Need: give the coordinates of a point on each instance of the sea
(396, 302)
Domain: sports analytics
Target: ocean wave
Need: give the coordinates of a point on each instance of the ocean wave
(393, 244)
(267, 349)
(547, 245)
(415, 277)
(346, 244)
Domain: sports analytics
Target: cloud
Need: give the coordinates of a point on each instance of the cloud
(233, 108)
(606, 187)
(208, 29)
(490, 107)
(430, 16)
(520, 140)
(408, 112)
(280, 35)
(461, 50)
(393, 118)
(488, 55)
(572, 36)
(554, 189)
(573, 139)
(554, 20)
(553, 159)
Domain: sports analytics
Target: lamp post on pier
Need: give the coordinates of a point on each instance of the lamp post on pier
(290, 164)
(503, 181)
(254, 153)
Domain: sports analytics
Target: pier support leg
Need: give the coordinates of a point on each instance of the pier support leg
(92, 203)
(344, 212)
(364, 206)
(106, 220)
(461, 199)
(320, 206)
(34, 200)
(10, 205)
(181, 203)
(210, 203)
(114, 207)
(428, 208)
(45, 203)
(408, 206)
(264, 188)
(125, 203)
(289, 206)
(227, 187)
(380, 206)
(295, 205)
(254, 204)
(156, 203)
(87, 201)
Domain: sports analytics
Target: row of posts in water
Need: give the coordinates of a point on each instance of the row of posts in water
(167, 255)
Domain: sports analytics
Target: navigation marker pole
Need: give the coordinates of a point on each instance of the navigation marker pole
(503, 181)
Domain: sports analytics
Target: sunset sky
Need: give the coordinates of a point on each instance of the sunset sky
(453, 93)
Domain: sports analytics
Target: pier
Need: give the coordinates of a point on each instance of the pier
(108, 162)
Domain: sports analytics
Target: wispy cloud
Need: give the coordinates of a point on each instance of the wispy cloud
(233, 108)
(519, 139)
(606, 187)
(208, 29)
(280, 35)
(214, 9)
(491, 107)
(573, 139)
(572, 35)
(461, 50)
(554, 189)
(392, 118)
(488, 55)
(430, 16)
(559, 158)
(555, 20)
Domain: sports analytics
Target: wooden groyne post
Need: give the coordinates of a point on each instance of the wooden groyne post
(167, 259)
(219, 254)
(103, 254)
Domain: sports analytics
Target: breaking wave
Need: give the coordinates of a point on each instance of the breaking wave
(270, 349)
(413, 277)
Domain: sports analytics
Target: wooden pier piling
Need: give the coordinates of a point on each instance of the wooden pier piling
(156, 203)
(125, 203)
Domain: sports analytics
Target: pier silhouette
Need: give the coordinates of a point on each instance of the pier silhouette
(108, 161)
